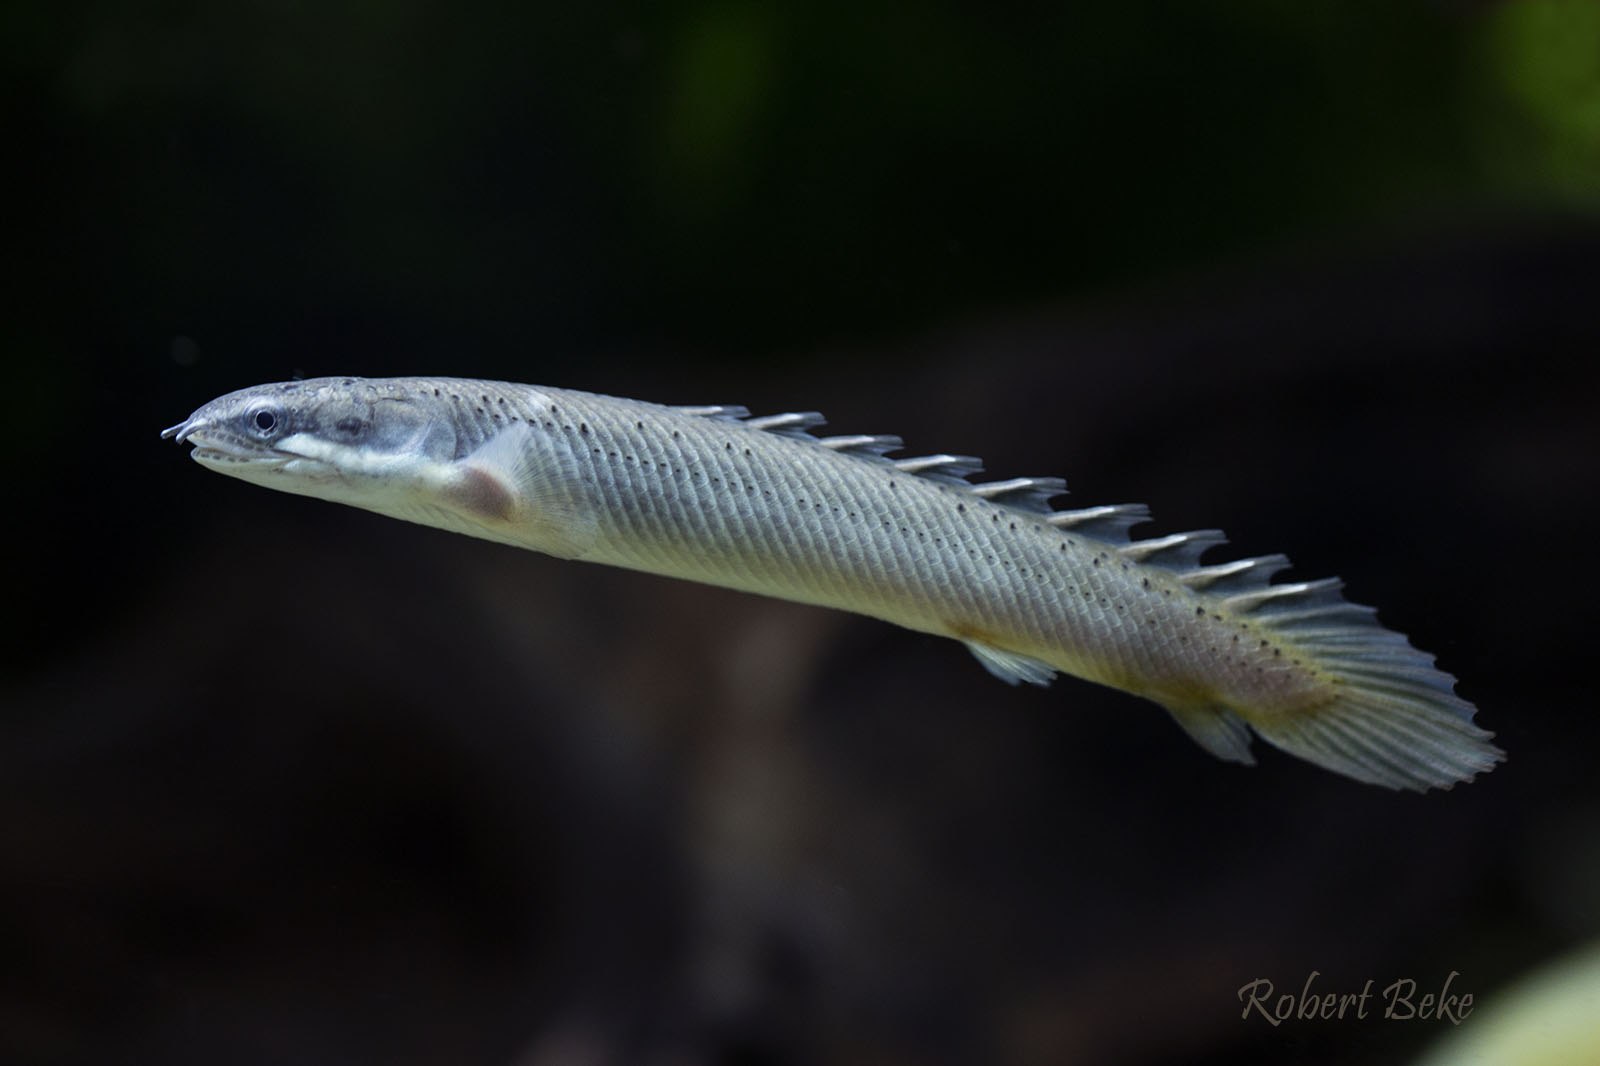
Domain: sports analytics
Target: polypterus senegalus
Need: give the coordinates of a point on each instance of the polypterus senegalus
(764, 505)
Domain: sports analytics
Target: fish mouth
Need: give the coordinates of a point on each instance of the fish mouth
(210, 456)
(216, 448)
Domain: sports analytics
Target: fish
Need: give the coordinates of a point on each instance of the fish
(767, 504)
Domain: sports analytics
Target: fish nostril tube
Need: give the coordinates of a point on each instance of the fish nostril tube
(182, 431)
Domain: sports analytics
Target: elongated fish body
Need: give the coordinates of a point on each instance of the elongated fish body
(765, 505)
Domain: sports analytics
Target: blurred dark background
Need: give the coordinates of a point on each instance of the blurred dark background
(281, 782)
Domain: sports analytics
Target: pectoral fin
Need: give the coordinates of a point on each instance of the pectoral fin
(521, 493)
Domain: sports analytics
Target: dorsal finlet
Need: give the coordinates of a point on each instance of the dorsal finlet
(1024, 493)
(1054, 486)
(864, 443)
(1321, 594)
(1109, 522)
(726, 411)
(1179, 551)
(943, 466)
(1239, 575)
(918, 463)
(791, 422)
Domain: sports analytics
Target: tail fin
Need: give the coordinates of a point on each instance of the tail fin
(1391, 717)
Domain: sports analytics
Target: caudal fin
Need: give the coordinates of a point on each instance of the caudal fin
(1369, 733)
(1390, 717)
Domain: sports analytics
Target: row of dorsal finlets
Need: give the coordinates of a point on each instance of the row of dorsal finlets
(1242, 584)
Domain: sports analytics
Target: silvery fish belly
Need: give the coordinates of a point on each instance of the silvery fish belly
(769, 505)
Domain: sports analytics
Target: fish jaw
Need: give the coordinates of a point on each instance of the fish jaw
(216, 448)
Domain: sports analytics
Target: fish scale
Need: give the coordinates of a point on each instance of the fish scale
(763, 504)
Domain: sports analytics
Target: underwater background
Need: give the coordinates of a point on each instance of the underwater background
(284, 782)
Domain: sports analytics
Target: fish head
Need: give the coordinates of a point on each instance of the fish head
(344, 439)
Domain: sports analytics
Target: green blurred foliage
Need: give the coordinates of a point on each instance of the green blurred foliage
(1546, 55)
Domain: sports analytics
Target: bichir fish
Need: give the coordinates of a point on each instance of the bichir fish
(767, 505)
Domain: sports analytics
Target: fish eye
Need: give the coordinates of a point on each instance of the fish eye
(264, 420)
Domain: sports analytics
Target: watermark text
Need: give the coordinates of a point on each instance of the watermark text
(1402, 1000)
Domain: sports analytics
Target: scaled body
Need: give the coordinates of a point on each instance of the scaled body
(763, 505)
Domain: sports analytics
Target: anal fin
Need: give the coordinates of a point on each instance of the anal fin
(1010, 667)
(1216, 729)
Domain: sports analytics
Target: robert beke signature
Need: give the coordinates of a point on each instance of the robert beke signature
(1400, 1000)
